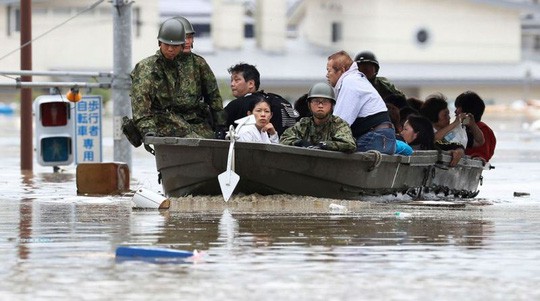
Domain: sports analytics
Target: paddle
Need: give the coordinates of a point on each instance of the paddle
(229, 179)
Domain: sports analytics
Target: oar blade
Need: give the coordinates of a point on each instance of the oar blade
(227, 182)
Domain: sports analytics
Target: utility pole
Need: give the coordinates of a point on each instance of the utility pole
(121, 83)
(26, 93)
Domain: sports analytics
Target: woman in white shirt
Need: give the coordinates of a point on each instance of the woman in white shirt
(258, 128)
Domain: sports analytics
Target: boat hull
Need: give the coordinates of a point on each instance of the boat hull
(191, 166)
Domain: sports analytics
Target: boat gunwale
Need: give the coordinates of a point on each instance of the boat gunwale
(419, 157)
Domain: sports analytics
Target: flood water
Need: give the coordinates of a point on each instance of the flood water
(55, 245)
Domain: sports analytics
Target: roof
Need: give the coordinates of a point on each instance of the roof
(523, 5)
(452, 74)
(189, 7)
(170, 8)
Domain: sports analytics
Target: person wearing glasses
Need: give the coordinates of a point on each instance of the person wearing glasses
(322, 130)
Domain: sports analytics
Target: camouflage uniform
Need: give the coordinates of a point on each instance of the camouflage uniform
(165, 104)
(201, 83)
(335, 133)
(385, 87)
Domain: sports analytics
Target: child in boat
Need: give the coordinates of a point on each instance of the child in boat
(258, 127)
(418, 133)
(471, 103)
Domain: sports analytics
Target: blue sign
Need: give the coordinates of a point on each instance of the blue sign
(88, 130)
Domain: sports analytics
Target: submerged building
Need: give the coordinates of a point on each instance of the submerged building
(423, 46)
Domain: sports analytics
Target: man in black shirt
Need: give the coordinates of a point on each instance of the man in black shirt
(245, 82)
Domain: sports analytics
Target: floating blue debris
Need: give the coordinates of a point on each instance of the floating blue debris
(6, 109)
(154, 254)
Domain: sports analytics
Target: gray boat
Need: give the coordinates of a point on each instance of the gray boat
(190, 166)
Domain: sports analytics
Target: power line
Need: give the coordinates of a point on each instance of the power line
(54, 28)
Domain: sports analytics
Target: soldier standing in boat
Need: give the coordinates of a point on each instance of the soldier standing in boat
(369, 65)
(322, 130)
(162, 102)
(201, 84)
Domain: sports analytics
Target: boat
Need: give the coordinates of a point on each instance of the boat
(190, 166)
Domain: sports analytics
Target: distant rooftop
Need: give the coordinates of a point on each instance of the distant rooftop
(170, 8)
(303, 64)
(193, 8)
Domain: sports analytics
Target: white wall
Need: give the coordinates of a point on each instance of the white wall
(227, 24)
(9, 43)
(270, 26)
(459, 30)
(498, 94)
(82, 44)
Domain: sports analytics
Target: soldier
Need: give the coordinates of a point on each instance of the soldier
(201, 81)
(159, 103)
(322, 130)
(368, 64)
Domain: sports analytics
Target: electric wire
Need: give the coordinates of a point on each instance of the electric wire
(53, 28)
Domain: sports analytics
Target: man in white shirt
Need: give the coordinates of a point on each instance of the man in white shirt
(360, 105)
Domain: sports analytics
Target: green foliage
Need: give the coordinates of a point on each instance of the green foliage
(104, 93)
(225, 91)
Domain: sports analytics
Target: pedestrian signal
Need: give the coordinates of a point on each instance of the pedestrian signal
(54, 130)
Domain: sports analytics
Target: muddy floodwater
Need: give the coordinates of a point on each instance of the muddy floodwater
(55, 245)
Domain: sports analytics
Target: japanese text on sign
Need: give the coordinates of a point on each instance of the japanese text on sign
(88, 129)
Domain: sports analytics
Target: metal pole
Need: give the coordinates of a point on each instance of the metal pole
(55, 85)
(58, 73)
(122, 82)
(26, 93)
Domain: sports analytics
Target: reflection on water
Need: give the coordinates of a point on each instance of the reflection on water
(55, 245)
(453, 227)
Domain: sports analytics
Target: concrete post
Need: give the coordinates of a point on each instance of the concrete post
(228, 24)
(271, 25)
(121, 82)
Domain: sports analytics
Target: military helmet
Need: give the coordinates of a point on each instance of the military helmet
(172, 32)
(367, 57)
(323, 90)
(187, 25)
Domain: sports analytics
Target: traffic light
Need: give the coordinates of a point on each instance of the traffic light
(54, 130)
